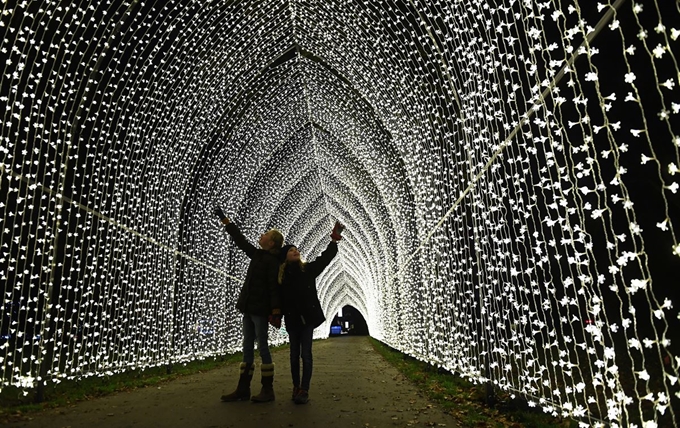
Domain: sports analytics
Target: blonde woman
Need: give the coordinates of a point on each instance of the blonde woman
(258, 300)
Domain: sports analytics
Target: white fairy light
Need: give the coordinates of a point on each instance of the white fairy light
(486, 161)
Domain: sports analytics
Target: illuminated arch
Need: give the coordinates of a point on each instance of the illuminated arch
(507, 172)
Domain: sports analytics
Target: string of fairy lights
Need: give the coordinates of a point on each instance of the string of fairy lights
(507, 172)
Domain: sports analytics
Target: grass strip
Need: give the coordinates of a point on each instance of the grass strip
(13, 402)
(465, 400)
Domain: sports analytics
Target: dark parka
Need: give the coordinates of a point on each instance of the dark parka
(301, 304)
(260, 291)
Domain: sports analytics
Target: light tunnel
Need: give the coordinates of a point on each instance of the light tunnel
(507, 172)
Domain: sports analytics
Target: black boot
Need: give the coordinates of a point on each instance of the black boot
(243, 389)
(267, 392)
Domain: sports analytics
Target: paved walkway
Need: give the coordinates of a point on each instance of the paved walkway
(352, 386)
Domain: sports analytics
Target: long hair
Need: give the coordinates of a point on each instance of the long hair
(282, 269)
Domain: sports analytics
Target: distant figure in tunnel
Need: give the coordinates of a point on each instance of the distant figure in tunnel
(302, 311)
(259, 301)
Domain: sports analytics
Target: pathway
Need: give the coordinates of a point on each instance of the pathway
(352, 386)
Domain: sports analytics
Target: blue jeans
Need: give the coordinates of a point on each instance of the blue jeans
(255, 328)
(301, 340)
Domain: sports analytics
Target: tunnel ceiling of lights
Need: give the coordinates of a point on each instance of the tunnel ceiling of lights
(507, 172)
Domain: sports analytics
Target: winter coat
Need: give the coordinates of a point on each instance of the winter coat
(301, 304)
(260, 291)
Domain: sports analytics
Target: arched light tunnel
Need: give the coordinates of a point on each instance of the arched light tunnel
(507, 172)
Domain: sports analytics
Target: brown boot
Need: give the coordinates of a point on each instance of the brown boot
(267, 392)
(242, 392)
(302, 396)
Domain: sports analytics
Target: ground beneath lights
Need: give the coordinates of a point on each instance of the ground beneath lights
(352, 386)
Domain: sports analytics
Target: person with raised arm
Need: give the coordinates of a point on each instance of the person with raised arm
(302, 311)
(259, 302)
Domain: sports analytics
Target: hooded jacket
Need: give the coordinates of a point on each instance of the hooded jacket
(300, 300)
(260, 291)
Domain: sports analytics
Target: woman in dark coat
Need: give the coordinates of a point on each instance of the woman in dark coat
(302, 311)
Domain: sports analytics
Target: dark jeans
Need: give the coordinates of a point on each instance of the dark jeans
(301, 340)
(255, 328)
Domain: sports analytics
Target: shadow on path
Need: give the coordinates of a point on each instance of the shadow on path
(352, 386)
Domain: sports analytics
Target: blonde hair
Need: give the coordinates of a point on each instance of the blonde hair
(277, 238)
(282, 269)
